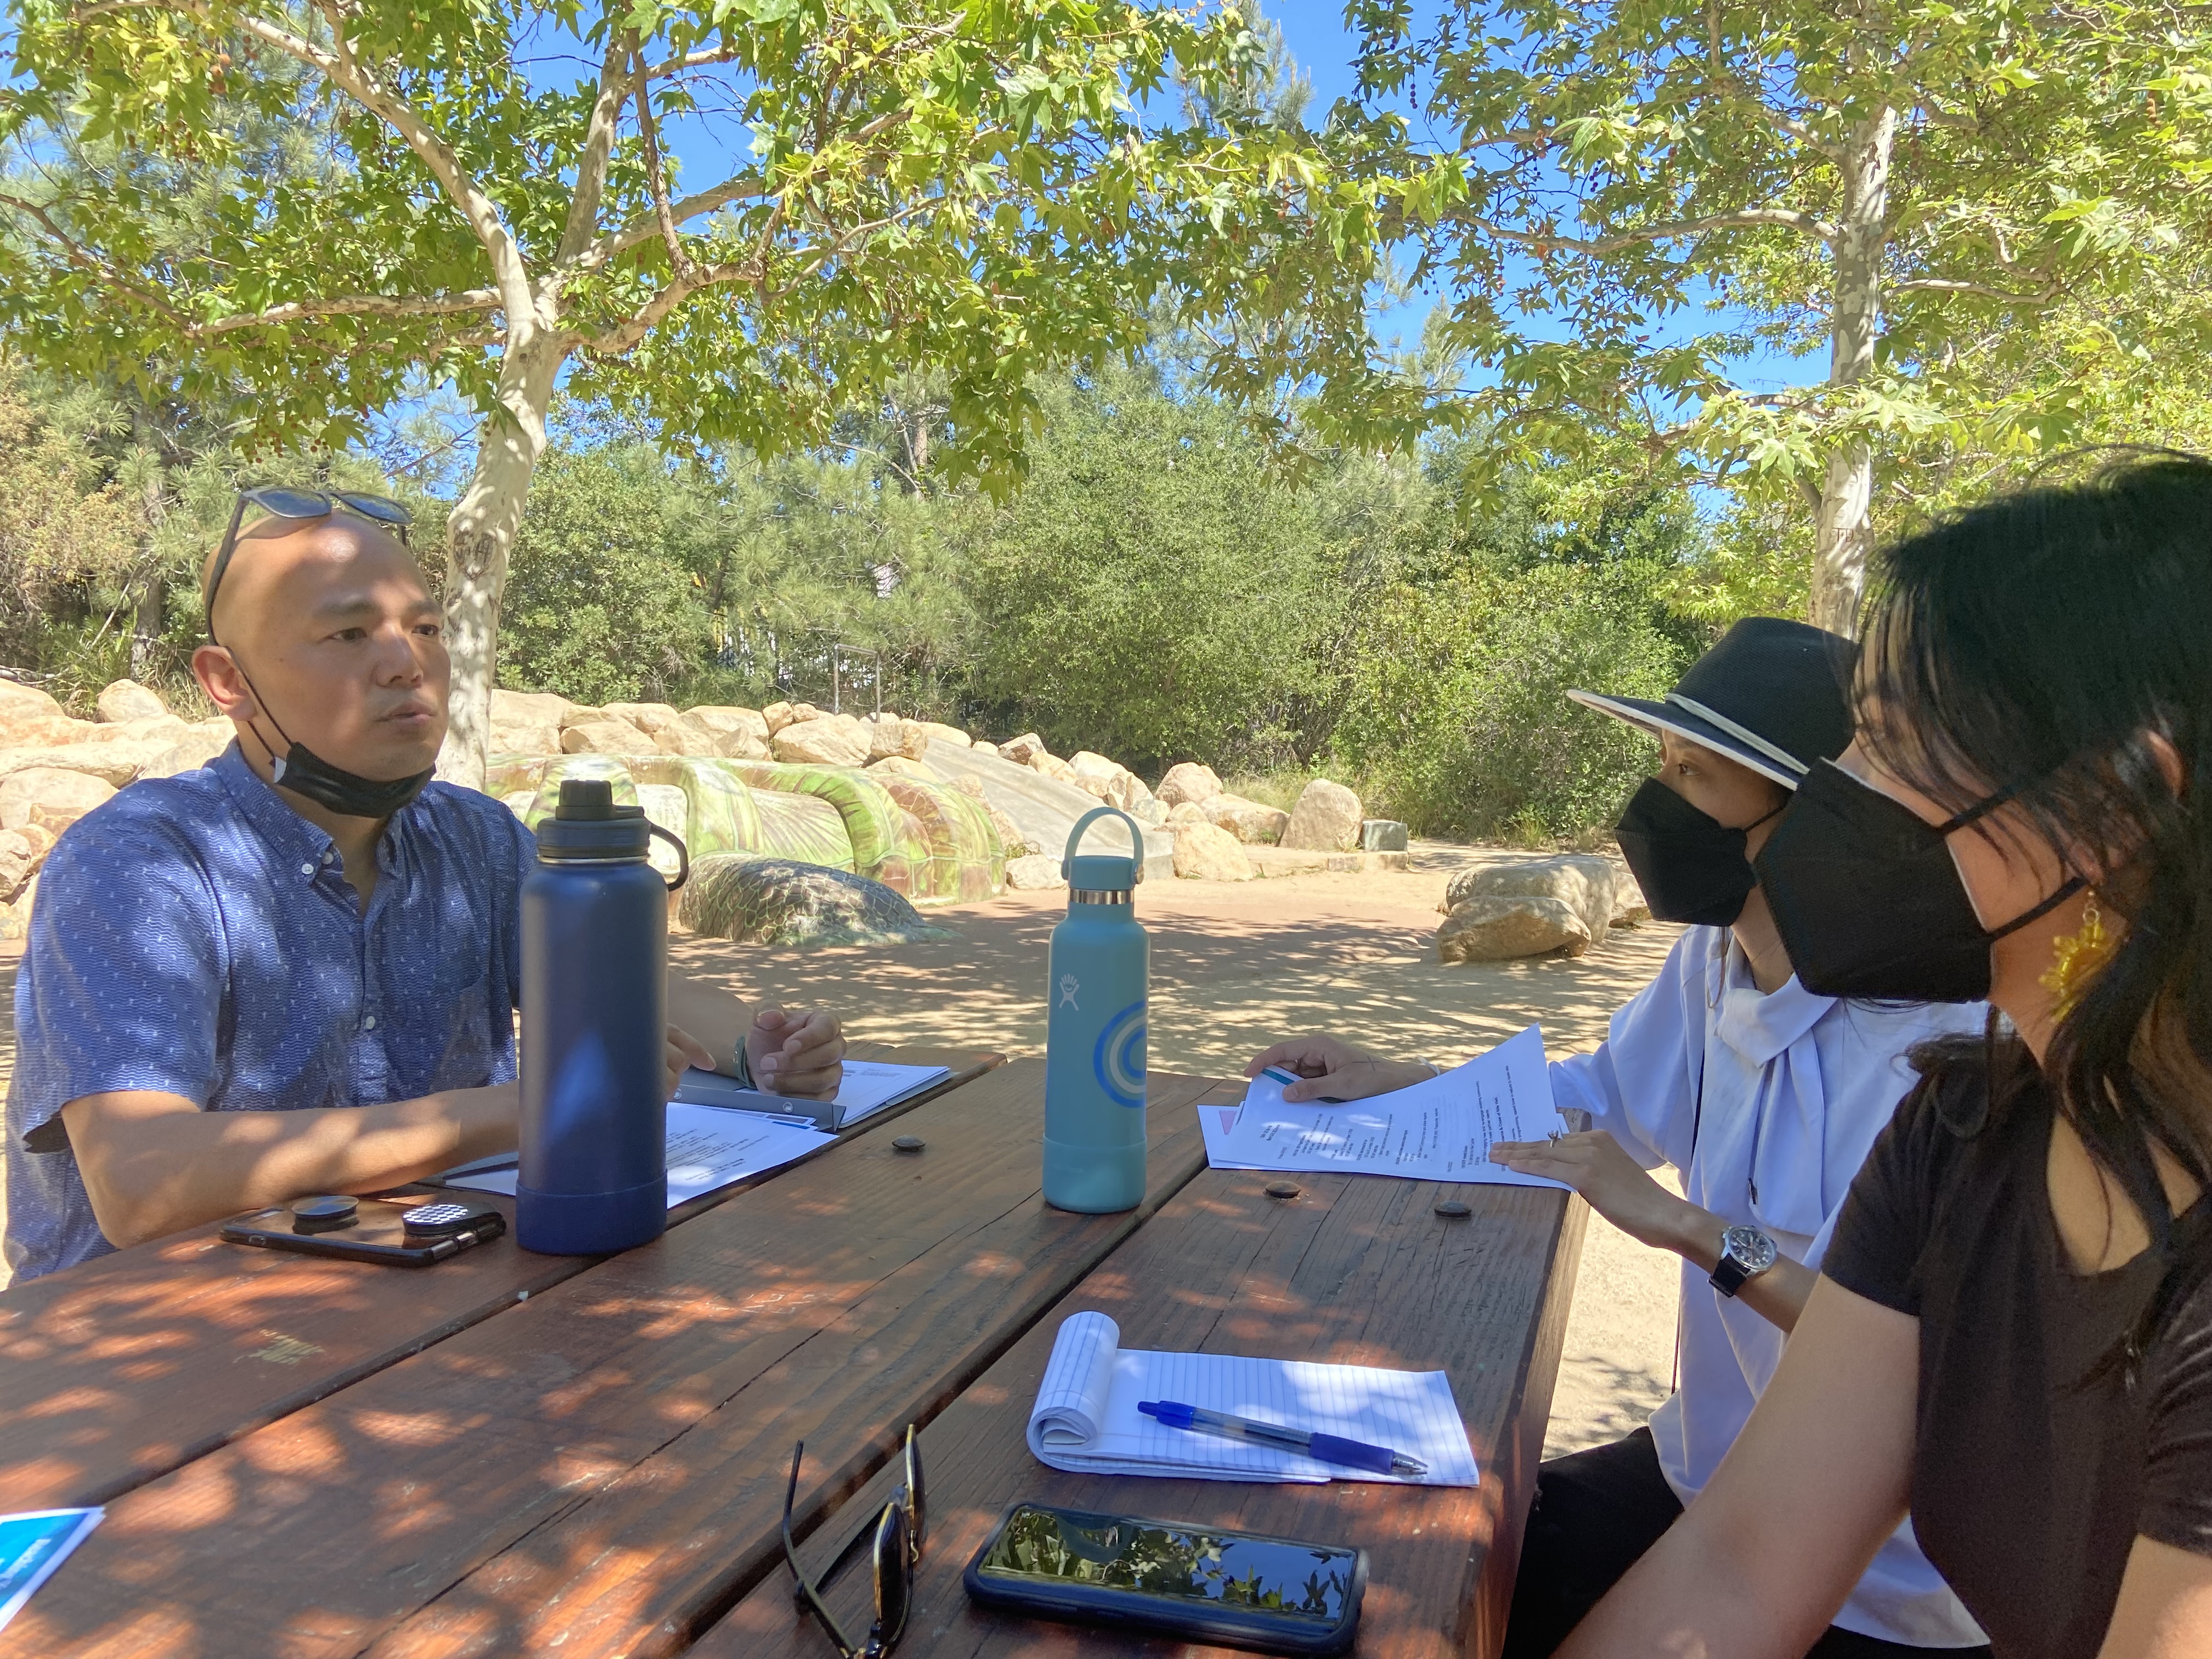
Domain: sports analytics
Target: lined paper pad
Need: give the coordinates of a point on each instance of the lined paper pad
(1438, 1130)
(1085, 1419)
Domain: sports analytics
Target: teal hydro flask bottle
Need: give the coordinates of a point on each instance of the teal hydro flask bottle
(1094, 1049)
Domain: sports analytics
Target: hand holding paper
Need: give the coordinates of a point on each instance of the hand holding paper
(1439, 1130)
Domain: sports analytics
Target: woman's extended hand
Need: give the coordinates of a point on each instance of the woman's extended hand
(797, 1053)
(1330, 1067)
(1595, 1165)
(683, 1050)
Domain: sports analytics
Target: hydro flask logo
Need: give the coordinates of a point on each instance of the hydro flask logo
(1118, 1062)
(1068, 989)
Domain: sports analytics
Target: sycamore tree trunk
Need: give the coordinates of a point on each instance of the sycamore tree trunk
(1843, 533)
(479, 537)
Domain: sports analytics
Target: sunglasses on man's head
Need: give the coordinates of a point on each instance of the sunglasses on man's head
(894, 1549)
(283, 503)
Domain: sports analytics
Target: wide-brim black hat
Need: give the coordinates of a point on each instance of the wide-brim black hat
(1774, 694)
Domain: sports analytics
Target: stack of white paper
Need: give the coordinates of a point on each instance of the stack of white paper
(1438, 1130)
(1086, 1420)
(707, 1150)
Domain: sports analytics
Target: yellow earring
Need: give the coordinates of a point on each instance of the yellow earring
(2078, 957)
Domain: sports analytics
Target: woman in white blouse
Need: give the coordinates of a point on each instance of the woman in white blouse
(1764, 1098)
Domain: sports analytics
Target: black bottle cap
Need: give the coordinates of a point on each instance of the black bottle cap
(587, 825)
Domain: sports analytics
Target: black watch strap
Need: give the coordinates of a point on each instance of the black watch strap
(1728, 1276)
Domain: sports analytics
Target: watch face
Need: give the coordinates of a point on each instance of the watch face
(1749, 1248)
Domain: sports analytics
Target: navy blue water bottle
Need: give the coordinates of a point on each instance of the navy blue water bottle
(592, 1176)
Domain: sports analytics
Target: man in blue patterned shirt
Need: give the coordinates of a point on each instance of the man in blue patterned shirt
(236, 990)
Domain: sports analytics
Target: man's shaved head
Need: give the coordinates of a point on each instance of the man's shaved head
(328, 637)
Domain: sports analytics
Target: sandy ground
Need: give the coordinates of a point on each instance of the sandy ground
(1235, 967)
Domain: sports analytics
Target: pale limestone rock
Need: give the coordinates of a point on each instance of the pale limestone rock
(647, 717)
(1204, 852)
(983, 747)
(778, 715)
(887, 736)
(49, 798)
(1488, 928)
(19, 701)
(576, 714)
(1012, 841)
(1185, 812)
(1034, 873)
(1051, 766)
(899, 766)
(19, 859)
(1254, 824)
(605, 736)
(1583, 882)
(113, 763)
(1021, 750)
(1189, 781)
(200, 744)
(942, 734)
(681, 737)
(51, 732)
(1325, 819)
(724, 718)
(524, 737)
(831, 740)
(548, 707)
(127, 700)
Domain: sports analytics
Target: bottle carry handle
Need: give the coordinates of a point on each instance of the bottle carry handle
(682, 855)
(1074, 835)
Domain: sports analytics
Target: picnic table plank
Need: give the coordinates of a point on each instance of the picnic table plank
(601, 1469)
(1354, 1270)
(131, 1365)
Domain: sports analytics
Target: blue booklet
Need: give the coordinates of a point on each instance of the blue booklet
(32, 1546)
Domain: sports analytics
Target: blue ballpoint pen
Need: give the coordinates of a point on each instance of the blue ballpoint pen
(1324, 1448)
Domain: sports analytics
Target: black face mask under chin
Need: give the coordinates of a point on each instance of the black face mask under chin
(1868, 901)
(304, 772)
(1691, 867)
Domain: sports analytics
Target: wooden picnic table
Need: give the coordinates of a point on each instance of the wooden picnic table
(598, 1468)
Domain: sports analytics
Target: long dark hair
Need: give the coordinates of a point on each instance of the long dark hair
(2037, 644)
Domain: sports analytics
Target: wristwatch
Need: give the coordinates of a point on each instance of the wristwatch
(1746, 1253)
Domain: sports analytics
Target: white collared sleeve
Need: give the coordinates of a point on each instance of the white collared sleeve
(1640, 1085)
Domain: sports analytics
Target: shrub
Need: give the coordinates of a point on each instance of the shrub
(1459, 722)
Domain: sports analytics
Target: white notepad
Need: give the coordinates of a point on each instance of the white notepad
(868, 1086)
(1085, 1419)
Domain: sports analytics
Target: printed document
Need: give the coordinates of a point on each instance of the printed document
(1086, 1420)
(1438, 1130)
(707, 1149)
(868, 1087)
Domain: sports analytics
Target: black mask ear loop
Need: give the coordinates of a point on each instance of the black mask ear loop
(2066, 889)
(215, 585)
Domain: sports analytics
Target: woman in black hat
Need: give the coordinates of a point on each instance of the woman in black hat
(2013, 1330)
(1764, 1095)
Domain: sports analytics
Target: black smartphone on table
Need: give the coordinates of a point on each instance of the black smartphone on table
(416, 1231)
(1172, 1577)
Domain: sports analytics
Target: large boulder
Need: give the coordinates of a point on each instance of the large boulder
(1109, 780)
(127, 700)
(1251, 823)
(647, 717)
(1034, 873)
(1185, 812)
(1187, 780)
(201, 743)
(53, 731)
(681, 737)
(759, 901)
(20, 857)
(49, 798)
(605, 736)
(1012, 841)
(545, 706)
(898, 766)
(1051, 766)
(1021, 749)
(1488, 928)
(577, 714)
(28, 715)
(738, 733)
(525, 737)
(1325, 819)
(831, 740)
(115, 763)
(1583, 882)
(1205, 853)
(890, 738)
(937, 732)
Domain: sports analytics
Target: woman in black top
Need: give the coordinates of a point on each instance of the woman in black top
(2013, 1333)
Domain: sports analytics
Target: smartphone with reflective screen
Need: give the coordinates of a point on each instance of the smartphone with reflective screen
(1200, 1583)
(407, 1232)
